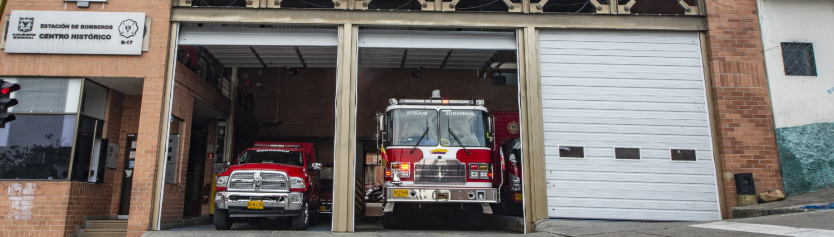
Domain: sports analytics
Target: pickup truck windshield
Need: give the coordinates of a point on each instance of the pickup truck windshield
(408, 125)
(283, 157)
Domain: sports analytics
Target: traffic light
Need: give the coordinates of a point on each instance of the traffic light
(6, 90)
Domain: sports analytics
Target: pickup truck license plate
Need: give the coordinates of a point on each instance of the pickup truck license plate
(400, 192)
(255, 205)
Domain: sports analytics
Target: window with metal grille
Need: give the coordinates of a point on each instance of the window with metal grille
(799, 59)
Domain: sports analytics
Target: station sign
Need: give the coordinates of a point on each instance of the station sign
(75, 32)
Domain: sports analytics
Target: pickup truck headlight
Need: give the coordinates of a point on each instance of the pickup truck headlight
(222, 181)
(296, 182)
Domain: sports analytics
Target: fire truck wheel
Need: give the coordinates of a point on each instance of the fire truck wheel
(301, 221)
(315, 216)
(391, 220)
(222, 221)
(253, 220)
(475, 218)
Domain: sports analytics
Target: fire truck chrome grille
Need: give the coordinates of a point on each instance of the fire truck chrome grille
(439, 173)
(259, 181)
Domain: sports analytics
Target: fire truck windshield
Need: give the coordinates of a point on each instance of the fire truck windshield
(468, 125)
(271, 156)
(408, 125)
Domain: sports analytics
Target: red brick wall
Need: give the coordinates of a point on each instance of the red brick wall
(150, 65)
(113, 131)
(745, 123)
(305, 101)
(129, 124)
(28, 208)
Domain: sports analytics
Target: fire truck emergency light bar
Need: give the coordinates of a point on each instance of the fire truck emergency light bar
(278, 146)
(436, 102)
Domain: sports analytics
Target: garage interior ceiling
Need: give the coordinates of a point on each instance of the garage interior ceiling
(321, 57)
(378, 48)
(274, 56)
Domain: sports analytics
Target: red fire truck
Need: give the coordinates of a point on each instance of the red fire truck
(507, 137)
(439, 162)
(270, 180)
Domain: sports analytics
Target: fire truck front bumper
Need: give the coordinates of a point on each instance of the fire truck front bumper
(429, 194)
(271, 204)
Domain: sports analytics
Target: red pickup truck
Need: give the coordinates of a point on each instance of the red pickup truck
(270, 180)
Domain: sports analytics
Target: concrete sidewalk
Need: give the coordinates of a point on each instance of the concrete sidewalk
(818, 223)
(792, 204)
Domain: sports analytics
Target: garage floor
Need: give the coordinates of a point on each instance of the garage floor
(284, 228)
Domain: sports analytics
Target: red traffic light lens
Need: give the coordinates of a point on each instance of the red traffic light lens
(9, 88)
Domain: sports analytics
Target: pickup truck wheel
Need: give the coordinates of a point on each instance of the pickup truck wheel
(301, 221)
(222, 221)
(315, 216)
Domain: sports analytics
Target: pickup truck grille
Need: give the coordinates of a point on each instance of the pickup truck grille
(264, 181)
(434, 174)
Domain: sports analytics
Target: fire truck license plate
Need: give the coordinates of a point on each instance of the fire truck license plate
(322, 208)
(255, 205)
(518, 196)
(400, 192)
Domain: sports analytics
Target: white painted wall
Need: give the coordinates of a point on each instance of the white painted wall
(799, 100)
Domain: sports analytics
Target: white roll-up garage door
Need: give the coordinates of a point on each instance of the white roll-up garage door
(618, 105)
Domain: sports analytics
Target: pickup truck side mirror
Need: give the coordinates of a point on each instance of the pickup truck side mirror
(315, 166)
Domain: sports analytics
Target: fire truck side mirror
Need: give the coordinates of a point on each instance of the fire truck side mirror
(491, 121)
(380, 122)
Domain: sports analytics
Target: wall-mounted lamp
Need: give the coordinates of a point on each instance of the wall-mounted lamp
(417, 72)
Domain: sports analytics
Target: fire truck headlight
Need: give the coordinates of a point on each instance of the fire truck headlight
(296, 182)
(222, 181)
(516, 187)
(515, 179)
(392, 101)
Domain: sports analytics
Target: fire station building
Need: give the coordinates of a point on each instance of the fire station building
(626, 110)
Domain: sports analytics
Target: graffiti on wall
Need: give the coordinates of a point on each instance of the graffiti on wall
(22, 199)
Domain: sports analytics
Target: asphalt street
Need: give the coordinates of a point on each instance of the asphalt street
(808, 224)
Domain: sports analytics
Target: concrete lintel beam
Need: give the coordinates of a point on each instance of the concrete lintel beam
(437, 19)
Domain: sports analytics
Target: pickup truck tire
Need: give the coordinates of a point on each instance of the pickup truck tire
(315, 216)
(301, 221)
(222, 221)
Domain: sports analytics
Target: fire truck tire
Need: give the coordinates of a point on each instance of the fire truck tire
(222, 221)
(390, 220)
(475, 218)
(301, 221)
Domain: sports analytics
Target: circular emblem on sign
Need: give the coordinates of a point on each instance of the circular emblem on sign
(128, 28)
(513, 127)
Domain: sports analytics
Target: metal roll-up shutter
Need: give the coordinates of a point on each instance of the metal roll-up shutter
(641, 91)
